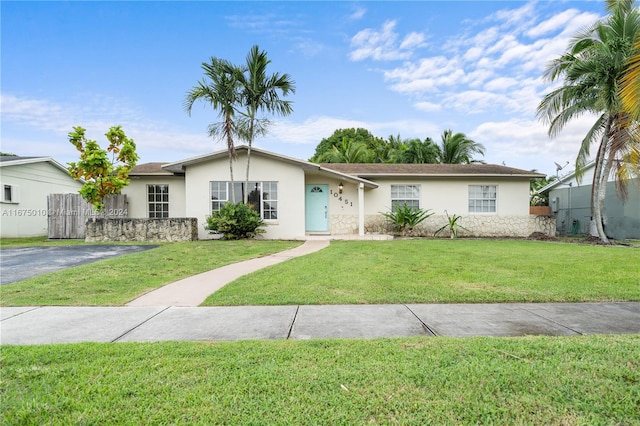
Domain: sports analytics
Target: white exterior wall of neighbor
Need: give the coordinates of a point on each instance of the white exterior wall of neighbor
(27, 216)
(137, 198)
(291, 191)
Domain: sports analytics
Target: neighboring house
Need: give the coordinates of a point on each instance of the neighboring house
(25, 183)
(570, 203)
(297, 198)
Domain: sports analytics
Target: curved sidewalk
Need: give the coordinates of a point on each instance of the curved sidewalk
(192, 291)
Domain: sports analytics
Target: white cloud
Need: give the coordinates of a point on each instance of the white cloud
(382, 45)
(427, 106)
(358, 13)
(525, 143)
(553, 24)
(96, 114)
(312, 130)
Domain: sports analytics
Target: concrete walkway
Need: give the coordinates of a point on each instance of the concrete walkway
(45, 325)
(192, 291)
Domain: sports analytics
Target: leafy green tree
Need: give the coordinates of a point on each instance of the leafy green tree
(102, 176)
(260, 93)
(592, 67)
(7, 154)
(457, 148)
(351, 136)
(536, 198)
(220, 88)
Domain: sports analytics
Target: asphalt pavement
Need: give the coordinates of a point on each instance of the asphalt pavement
(19, 263)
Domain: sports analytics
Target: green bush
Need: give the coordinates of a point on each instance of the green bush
(405, 218)
(235, 222)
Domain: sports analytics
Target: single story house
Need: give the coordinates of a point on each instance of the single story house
(297, 198)
(26, 182)
(570, 202)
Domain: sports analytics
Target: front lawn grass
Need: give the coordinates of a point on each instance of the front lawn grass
(443, 271)
(121, 279)
(528, 380)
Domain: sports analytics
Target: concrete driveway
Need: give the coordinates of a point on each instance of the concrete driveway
(17, 264)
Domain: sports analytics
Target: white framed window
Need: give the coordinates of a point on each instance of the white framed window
(262, 197)
(10, 193)
(483, 198)
(405, 194)
(158, 201)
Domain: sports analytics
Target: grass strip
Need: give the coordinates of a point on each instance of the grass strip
(443, 271)
(118, 280)
(529, 380)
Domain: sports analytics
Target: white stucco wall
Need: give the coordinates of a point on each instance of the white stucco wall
(136, 193)
(27, 217)
(452, 195)
(290, 178)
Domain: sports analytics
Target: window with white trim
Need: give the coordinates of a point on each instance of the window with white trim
(158, 201)
(262, 197)
(483, 198)
(405, 194)
(10, 194)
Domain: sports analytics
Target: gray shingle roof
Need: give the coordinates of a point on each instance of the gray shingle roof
(150, 169)
(381, 170)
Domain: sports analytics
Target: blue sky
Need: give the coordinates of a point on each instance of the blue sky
(409, 68)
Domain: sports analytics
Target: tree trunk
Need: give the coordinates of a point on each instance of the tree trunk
(233, 192)
(246, 181)
(601, 173)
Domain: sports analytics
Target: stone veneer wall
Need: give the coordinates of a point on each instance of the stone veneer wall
(158, 230)
(478, 226)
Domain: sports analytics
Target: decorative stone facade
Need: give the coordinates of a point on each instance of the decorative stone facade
(344, 224)
(477, 226)
(156, 230)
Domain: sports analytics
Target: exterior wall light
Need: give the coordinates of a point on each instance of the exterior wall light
(340, 188)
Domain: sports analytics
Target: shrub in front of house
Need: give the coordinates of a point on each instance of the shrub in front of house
(235, 222)
(405, 218)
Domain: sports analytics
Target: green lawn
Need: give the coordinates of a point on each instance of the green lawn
(119, 280)
(443, 271)
(592, 380)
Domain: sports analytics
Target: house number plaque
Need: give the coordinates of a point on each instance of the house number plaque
(340, 198)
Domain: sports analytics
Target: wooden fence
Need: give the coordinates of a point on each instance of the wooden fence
(68, 214)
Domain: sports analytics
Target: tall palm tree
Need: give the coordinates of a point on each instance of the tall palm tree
(592, 67)
(260, 93)
(220, 88)
(458, 149)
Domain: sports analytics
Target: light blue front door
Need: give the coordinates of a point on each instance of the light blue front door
(317, 208)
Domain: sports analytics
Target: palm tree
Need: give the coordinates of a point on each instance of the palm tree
(261, 93)
(630, 84)
(458, 149)
(348, 151)
(419, 152)
(592, 67)
(220, 88)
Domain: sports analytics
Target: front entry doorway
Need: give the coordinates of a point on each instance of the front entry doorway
(317, 208)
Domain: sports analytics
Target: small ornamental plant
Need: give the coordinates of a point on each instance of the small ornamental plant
(452, 225)
(235, 222)
(405, 218)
